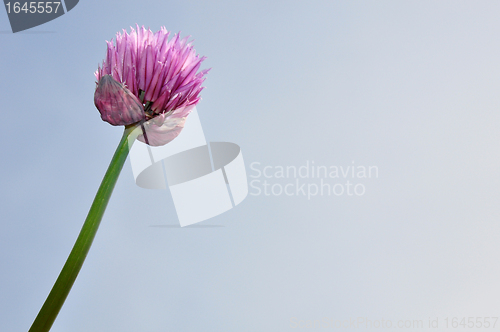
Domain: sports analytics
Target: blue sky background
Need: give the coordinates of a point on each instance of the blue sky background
(411, 87)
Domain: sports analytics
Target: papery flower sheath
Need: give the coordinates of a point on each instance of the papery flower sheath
(162, 74)
(116, 103)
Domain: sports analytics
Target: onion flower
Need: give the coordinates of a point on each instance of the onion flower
(162, 74)
(149, 84)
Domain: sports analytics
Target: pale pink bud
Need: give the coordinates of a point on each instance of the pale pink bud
(116, 103)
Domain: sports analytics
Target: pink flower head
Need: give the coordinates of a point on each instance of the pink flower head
(161, 73)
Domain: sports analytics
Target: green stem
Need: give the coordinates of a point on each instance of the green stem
(47, 315)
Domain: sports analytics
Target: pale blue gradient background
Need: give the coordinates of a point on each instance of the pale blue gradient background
(412, 87)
